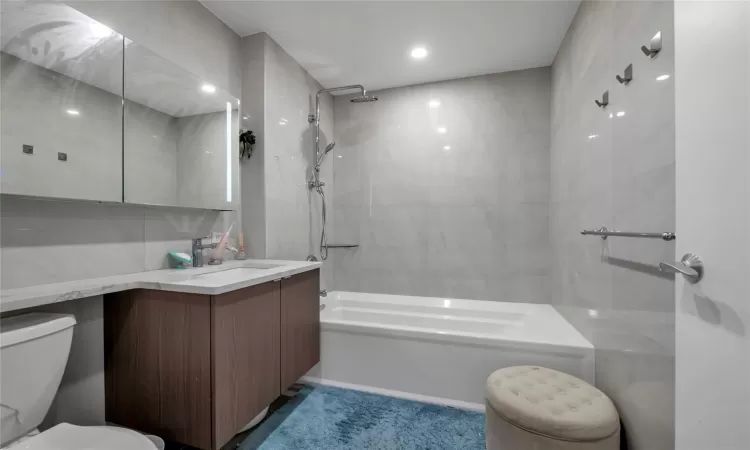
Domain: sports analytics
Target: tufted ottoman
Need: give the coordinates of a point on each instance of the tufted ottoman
(533, 408)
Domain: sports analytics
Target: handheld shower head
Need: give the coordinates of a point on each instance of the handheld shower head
(329, 147)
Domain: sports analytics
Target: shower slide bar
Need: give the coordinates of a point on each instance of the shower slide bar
(604, 233)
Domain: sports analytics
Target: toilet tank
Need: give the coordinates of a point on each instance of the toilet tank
(34, 349)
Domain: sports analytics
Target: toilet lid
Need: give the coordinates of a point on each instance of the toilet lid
(71, 437)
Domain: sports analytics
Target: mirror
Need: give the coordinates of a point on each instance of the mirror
(61, 76)
(181, 136)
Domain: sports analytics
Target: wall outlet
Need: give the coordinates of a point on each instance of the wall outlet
(216, 237)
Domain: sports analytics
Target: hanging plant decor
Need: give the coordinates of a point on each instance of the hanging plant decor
(247, 142)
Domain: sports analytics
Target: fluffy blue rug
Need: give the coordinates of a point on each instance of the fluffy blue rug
(322, 417)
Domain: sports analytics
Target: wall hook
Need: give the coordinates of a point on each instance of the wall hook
(627, 76)
(605, 100)
(655, 46)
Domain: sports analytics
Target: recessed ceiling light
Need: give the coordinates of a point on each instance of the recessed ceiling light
(662, 77)
(73, 112)
(245, 117)
(593, 136)
(434, 103)
(611, 115)
(447, 147)
(442, 130)
(209, 88)
(418, 52)
(620, 113)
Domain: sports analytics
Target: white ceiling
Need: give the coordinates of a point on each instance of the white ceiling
(364, 42)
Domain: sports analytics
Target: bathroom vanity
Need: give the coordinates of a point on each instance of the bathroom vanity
(194, 355)
(197, 368)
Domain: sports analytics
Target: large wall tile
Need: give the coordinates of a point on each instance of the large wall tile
(52, 241)
(448, 199)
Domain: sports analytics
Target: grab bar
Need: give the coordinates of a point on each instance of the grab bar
(604, 233)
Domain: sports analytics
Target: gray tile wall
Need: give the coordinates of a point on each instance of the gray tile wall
(47, 241)
(614, 167)
(253, 190)
(288, 225)
(293, 211)
(461, 212)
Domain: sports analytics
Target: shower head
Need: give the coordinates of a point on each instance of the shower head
(329, 147)
(364, 99)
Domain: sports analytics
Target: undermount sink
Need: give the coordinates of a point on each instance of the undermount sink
(257, 265)
(220, 275)
(230, 273)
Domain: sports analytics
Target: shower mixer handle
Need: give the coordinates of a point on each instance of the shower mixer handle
(312, 184)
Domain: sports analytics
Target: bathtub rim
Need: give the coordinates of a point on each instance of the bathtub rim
(580, 346)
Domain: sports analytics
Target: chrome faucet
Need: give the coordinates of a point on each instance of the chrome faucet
(198, 247)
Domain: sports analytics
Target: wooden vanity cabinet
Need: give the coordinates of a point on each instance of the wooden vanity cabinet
(300, 326)
(194, 368)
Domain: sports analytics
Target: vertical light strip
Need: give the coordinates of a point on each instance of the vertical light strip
(229, 152)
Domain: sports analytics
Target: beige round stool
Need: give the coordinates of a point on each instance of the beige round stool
(534, 408)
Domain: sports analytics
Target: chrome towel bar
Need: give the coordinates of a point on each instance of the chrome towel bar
(604, 233)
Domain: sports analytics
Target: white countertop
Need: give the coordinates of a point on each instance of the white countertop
(208, 280)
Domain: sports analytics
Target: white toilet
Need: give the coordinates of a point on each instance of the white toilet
(34, 350)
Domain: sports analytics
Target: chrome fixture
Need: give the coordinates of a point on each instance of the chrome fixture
(342, 245)
(323, 293)
(364, 99)
(654, 46)
(604, 233)
(690, 266)
(312, 258)
(628, 75)
(605, 100)
(329, 147)
(198, 248)
(315, 183)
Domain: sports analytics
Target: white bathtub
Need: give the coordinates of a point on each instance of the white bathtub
(439, 350)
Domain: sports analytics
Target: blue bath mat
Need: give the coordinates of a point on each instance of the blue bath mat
(328, 418)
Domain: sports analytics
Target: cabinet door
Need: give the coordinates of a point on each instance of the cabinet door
(245, 348)
(157, 358)
(300, 325)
